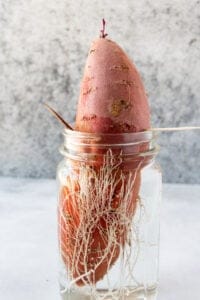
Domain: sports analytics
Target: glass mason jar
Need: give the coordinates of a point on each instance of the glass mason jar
(108, 216)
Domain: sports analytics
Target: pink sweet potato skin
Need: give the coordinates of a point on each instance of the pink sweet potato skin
(112, 97)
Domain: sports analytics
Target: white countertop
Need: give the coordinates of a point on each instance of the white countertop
(28, 246)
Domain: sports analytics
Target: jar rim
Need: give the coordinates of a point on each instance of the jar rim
(130, 143)
(126, 137)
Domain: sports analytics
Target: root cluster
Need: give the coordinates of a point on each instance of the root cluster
(96, 208)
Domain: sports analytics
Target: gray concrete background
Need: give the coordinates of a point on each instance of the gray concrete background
(43, 46)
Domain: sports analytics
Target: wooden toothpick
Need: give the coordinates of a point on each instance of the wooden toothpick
(161, 129)
(175, 128)
(58, 117)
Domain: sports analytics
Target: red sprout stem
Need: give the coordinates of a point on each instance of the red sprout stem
(103, 34)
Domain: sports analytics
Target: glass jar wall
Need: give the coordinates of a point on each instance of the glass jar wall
(108, 216)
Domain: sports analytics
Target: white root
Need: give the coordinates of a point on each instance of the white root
(91, 202)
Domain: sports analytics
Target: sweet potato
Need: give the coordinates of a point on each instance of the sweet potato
(92, 225)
